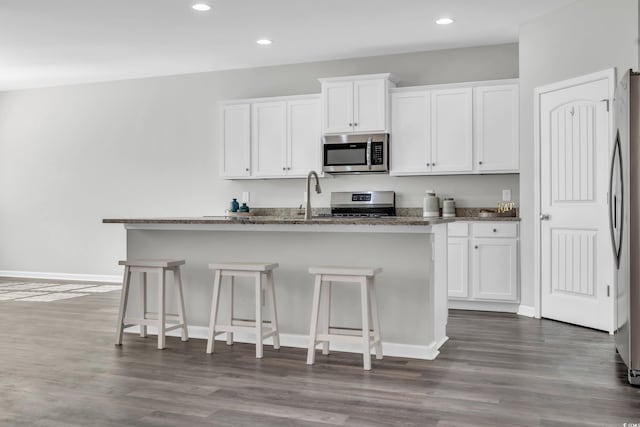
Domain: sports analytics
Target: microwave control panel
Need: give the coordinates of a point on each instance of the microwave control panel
(377, 155)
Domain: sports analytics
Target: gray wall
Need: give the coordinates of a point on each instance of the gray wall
(70, 156)
(584, 37)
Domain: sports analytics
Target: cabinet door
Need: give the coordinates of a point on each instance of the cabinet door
(496, 137)
(495, 269)
(458, 268)
(451, 130)
(268, 139)
(338, 107)
(304, 145)
(235, 133)
(410, 147)
(370, 105)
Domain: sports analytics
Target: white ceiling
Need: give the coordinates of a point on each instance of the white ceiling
(56, 42)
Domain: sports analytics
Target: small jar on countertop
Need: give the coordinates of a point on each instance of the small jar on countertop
(448, 208)
(431, 205)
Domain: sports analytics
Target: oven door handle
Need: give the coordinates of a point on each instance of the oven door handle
(369, 153)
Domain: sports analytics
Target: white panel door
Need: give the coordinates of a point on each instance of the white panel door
(268, 139)
(410, 145)
(576, 259)
(370, 105)
(496, 134)
(304, 144)
(235, 134)
(495, 268)
(338, 107)
(451, 130)
(458, 267)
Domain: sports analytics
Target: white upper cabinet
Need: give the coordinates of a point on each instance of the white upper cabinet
(496, 128)
(304, 146)
(235, 135)
(410, 133)
(455, 129)
(338, 107)
(452, 130)
(356, 104)
(268, 138)
(271, 138)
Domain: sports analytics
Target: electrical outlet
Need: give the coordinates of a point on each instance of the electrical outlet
(506, 195)
(245, 197)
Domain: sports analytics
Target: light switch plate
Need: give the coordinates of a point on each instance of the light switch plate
(506, 195)
(245, 197)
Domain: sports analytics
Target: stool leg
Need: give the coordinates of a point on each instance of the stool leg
(230, 315)
(161, 310)
(272, 308)
(313, 330)
(124, 296)
(143, 303)
(326, 308)
(373, 306)
(214, 311)
(258, 277)
(364, 297)
(182, 316)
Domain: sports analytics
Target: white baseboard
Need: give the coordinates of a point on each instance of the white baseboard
(526, 310)
(424, 352)
(61, 276)
(502, 307)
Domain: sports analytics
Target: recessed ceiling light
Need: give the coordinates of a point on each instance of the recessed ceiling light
(444, 21)
(264, 42)
(201, 7)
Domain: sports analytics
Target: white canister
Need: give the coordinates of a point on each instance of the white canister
(448, 208)
(431, 205)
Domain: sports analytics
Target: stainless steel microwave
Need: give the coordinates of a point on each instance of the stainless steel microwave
(356, 153)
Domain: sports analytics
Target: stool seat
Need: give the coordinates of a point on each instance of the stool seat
(345, 271)
(161, 319)
(369, 336)
(244, 266)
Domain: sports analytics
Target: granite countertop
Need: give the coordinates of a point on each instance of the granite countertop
(406, 216)
(415, 221)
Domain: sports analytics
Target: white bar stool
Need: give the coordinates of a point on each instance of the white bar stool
(364, 276)
(256, 271)
(159, 319)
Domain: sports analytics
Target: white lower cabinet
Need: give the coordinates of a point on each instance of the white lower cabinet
(483, 266)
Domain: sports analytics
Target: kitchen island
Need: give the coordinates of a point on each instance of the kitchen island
(412, 289)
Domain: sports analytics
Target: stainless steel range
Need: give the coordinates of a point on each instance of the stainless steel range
(366, 204)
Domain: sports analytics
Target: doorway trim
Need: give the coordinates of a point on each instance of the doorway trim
(608, 74)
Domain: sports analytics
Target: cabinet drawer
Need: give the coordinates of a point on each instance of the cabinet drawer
(495, 229)
(458, 229)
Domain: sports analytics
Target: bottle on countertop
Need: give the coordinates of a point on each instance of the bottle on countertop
(448, 207)
(234, 206)
(431, 205)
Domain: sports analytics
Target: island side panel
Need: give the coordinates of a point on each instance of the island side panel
(441, 282)
(406, 296)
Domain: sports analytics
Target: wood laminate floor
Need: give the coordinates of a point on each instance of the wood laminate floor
(59, 367)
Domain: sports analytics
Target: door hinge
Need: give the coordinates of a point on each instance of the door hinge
(608, 290)
(607, 101)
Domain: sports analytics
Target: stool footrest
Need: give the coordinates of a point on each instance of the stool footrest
(248, 323)
(148, 322)
(221, 329)
(152, 315)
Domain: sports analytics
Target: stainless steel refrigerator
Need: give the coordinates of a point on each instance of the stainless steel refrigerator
(624, 219)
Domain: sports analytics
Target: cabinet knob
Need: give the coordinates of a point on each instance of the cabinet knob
(495, 230)
(480, 163)
(284, 169)
(247, 169)
(355, 124)
(475, 247)
(350, 124)
(433, 164)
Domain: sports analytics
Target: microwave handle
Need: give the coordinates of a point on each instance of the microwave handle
(369, 153)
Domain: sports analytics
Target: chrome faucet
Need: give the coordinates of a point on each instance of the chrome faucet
(307, 212)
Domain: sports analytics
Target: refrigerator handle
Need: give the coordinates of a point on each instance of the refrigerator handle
(615, 226)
